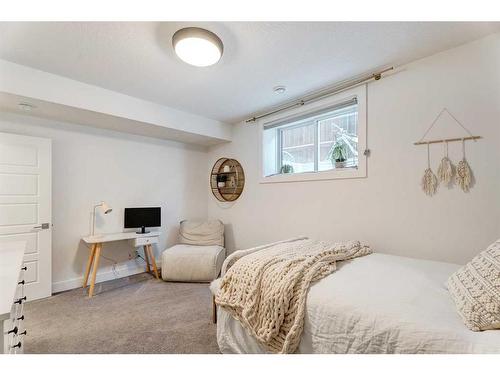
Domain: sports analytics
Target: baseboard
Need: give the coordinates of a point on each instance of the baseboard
(106, 274)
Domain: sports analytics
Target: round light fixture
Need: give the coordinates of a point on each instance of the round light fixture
(198, 47)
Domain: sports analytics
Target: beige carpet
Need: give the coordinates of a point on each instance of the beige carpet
(137, 314)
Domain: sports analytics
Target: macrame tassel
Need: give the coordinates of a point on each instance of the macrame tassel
(445, 169)
(429, 181)
(464, 173)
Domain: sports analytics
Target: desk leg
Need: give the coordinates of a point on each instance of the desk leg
(94, 270)
(89, 265)
(146, 258)
(151, 254)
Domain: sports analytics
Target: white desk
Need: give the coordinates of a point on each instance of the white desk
(145, 240)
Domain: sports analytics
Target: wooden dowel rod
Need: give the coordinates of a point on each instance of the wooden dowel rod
(447, 140)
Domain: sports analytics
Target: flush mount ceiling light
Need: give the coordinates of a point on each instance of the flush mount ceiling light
(198, 47)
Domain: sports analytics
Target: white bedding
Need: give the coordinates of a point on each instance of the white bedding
(376, 304)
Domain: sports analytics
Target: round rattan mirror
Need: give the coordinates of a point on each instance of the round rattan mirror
(227, 180)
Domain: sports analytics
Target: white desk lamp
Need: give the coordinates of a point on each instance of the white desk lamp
(105, 209)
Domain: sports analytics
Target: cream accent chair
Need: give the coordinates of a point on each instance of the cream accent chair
(199, 255)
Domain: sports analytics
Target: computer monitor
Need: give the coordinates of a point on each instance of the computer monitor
(142, 217)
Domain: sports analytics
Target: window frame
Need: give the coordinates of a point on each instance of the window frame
(360, 172)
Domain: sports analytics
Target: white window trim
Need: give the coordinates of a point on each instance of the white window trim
(359, 172)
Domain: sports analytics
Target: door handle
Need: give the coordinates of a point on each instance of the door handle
(43, 226)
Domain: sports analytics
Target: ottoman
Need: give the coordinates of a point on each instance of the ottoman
(192, 263)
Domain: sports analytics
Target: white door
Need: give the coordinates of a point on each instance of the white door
(25, 206)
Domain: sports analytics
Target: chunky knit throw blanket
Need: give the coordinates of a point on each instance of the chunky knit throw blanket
(266, 290)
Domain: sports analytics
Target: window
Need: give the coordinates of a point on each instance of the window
(327, 142)
(306, 146)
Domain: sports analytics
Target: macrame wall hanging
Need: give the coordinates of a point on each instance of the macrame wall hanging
(446, 170)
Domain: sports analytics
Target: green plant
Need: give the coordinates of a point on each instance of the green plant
(338, 152)
(286, 168)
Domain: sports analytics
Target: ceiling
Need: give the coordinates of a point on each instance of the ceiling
(137, 58)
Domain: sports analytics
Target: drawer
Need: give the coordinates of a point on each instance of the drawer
(10, 336)
(12, 328)
(16, 311)
(14, 332)
(22, 272)
(142, 241)
(17, 346)
(19, 290)
(7, 338)
(21, 331)
(18, 314)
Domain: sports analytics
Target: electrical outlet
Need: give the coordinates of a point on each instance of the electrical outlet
(134, 255)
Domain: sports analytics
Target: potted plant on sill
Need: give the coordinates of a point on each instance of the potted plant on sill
(338, 154)
(286, 168)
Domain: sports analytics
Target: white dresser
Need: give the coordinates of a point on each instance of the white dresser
(12, 297)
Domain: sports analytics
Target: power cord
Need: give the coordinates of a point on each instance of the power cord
(113, 267)
(114, 263)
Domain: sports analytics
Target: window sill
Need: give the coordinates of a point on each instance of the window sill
(334, 174)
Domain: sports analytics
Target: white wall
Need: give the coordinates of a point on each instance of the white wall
(388, 209)
(90, 165)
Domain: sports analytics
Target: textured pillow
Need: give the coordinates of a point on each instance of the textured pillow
(202, 233)
(475, 288)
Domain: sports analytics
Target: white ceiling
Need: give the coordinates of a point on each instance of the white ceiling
(137, 58)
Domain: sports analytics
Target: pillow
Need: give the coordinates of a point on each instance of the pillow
(203, 233)
(475, 288)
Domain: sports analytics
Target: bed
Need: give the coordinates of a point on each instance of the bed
(376, 304)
